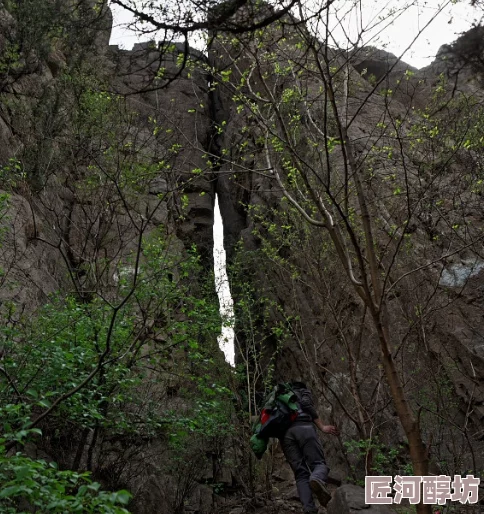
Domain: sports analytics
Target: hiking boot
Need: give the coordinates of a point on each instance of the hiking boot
(320, 491)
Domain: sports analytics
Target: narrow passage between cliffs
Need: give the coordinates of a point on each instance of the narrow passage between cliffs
(226, 338)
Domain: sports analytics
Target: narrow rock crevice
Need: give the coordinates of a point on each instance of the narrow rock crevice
(232, 211)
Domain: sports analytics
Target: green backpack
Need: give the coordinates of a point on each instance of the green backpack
(279, 411)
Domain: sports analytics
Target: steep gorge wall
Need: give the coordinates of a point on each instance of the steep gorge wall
(167, 131)
(329, 341)
(96, 167)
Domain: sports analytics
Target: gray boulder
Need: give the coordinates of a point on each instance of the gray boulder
(350, 499)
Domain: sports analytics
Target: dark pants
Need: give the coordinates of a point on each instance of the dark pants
(304, 453)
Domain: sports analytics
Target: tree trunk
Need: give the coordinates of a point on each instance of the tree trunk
(417, 448)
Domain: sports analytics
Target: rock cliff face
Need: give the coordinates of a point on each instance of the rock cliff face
(179, 146)
(95, 167)
(170, 130)
(330, 341)
(183, 109)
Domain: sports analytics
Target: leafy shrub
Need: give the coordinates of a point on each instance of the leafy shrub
(26, 482)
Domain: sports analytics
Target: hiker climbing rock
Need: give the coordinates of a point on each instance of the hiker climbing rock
(304, 452)
(289, 415)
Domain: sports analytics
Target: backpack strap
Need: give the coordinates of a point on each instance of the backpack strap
(305, 403)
